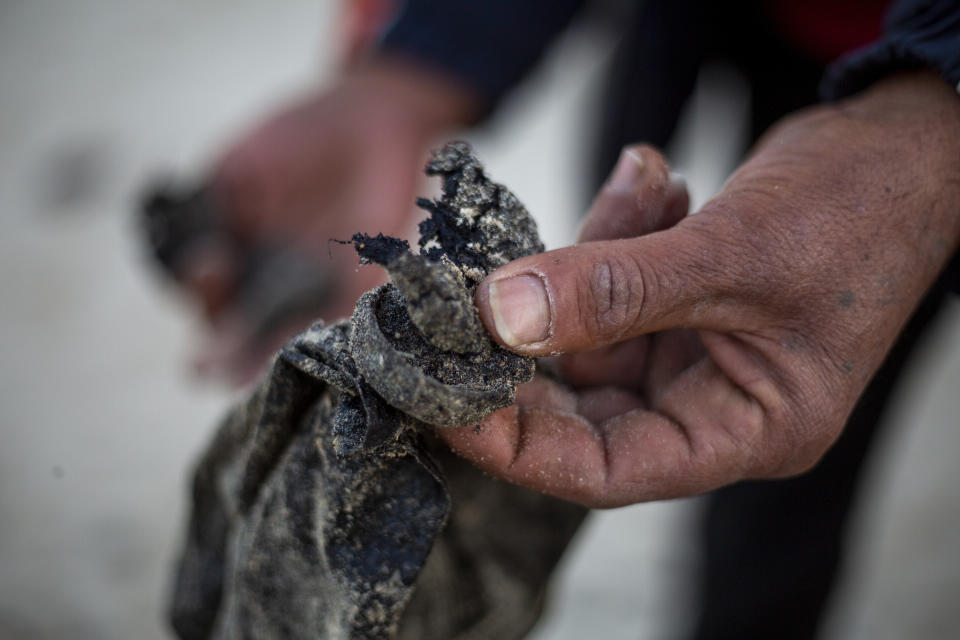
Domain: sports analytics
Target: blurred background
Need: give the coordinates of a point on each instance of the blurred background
(101, 417)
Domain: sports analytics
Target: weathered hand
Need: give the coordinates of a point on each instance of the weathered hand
(734, 343)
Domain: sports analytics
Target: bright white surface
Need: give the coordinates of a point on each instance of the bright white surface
(99, 419)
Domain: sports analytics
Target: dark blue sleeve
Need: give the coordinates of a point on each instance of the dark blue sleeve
(488, 44)
(917, 33)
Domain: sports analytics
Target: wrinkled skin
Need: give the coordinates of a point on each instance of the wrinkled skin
(733, 343)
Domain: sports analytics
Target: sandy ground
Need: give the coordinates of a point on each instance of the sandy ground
(99, 417)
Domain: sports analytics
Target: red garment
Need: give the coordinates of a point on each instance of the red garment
(826, 29)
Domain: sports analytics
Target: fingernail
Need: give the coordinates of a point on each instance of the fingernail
(628, 170)
(521, 309)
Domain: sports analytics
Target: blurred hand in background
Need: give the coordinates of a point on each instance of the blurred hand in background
(337, 161)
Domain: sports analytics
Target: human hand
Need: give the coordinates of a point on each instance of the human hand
(334, 163)
(734, 343)
(340, 161)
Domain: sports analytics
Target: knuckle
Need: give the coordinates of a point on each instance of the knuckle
(617, 290)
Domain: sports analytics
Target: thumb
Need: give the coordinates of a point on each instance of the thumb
(598, 293)
(595, 294)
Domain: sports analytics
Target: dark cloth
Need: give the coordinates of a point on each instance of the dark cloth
(917, 34)
(324, 509)
(689, 33)
(826, 29)
(491, 45)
